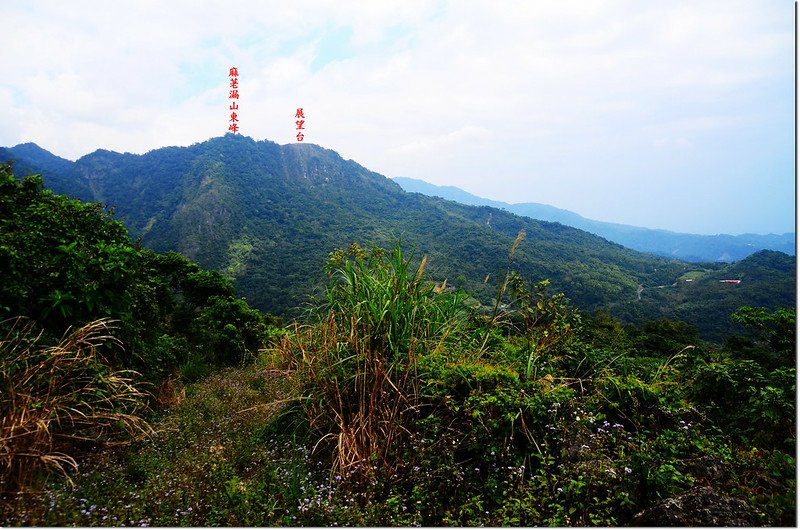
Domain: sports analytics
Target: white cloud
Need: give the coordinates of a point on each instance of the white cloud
(453, 92)
(461, 139)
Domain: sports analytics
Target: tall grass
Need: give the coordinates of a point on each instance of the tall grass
(53, 399)
(359, 365)
(502, 286)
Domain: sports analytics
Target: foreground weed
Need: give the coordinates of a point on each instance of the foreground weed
(54, 399)
(213, 460)
(357, 369)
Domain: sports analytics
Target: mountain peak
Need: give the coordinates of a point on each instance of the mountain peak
(30, 150)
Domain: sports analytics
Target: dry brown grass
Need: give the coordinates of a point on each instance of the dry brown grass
(358, 398)
(54, 399)
(354, 394)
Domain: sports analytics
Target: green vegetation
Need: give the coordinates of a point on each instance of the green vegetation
(93, 324)
(267, 216)
(397, 400)
(65, 263)
(767, 280)
(693, 275)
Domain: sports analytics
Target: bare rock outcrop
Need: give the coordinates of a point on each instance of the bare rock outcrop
(699, 506)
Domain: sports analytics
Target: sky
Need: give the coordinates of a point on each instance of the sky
(672, 114)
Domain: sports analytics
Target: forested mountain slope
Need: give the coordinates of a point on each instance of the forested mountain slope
(268, 215)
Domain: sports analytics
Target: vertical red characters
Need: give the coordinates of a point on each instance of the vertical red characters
(233, 95)
(300, 119)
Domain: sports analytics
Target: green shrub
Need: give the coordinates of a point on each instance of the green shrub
(230, 330)
(65, 263)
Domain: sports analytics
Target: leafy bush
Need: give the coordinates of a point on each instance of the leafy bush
(770, 338)
(66, 263)
(747, 400)
(63, 262)
(230, 330)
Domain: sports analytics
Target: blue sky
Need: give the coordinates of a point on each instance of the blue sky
(675, 115)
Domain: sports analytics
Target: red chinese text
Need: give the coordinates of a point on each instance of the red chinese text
(299, 123)
(233, 95)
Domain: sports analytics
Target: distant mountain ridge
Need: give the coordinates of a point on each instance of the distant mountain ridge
(268, 215)
(690, 247)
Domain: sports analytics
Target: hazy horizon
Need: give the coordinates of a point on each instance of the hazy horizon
(670, 115)
(512, 203)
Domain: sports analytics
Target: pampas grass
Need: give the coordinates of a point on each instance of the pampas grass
(357, 368)
(54, 399)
